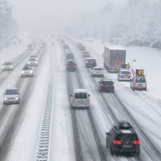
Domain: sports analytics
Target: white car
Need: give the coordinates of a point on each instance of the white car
(138, 83)
(124, 75)
(97, 72)
(27, 71)
(11, 95)
(80, 99)
(33, 57)
(7, 66)
(33, 62)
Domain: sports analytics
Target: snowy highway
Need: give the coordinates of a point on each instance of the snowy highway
(74, 134)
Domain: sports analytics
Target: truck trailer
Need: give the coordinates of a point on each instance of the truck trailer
(114, 58)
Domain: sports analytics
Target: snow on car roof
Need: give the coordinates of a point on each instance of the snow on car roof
(80, 90)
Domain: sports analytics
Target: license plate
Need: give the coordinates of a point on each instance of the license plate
(127, 146)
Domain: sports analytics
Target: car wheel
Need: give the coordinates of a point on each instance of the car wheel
(112, 151)
(133, 89)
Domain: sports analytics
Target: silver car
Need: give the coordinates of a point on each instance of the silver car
(80, 99)
(27, 71)
(33, 62)
(97, 72)
(11, 96)
(7, 66)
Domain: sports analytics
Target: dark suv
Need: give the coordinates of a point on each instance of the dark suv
(106, 85)
(122, 139)
(90, 63)
(71, 65)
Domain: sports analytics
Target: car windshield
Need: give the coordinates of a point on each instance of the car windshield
(140, 80)
(7, 63)
(32, 60)
(11, 91)
(27, 68)
(81, 95)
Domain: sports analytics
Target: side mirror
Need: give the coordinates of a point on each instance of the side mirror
(107, 133)
(71, 95)
(88, 95)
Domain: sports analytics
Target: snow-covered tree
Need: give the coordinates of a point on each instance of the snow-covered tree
(8, 26)
(130, 22)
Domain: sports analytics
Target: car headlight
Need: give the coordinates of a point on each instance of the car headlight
(11, 66)
(31, 71)
(3, 66)
(5, 98)
(22, 72)
(36, 62)
(16, 98)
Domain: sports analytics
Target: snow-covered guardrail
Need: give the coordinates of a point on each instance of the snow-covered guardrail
(44, 136)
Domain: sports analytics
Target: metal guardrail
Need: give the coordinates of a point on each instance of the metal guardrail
(44, 136)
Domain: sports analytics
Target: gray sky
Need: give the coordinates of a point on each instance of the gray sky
(30, 12)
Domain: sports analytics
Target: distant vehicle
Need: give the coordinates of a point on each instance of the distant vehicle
(80, 99)
(97, 72)
(69, 55)
(113, 59)
(7, 66)
(90, 63)
(122, 139)
(79, 45)
(71, 65)
(85, 54)
(138, 81)
(33, 62)
(27, 71)
(65, 46)
(42, 45)
(106, 85)
(30, 47)
(124, 75)
(33, 57)
(11, 96)
(82, 48)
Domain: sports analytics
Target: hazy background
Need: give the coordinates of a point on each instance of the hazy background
(50, 15)
(127, 22)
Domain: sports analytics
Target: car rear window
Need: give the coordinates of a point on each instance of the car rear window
(98, 69)
(107, 82)
(123, 137)
(81, 95)
(91, 60)
(140, 80)
(125, 72)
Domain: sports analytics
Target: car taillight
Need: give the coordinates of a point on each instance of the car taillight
(87, 101)
(116, 142)
(136, 142)
(75, 66)
(112, 85)
(67, 66)
(101, 85)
